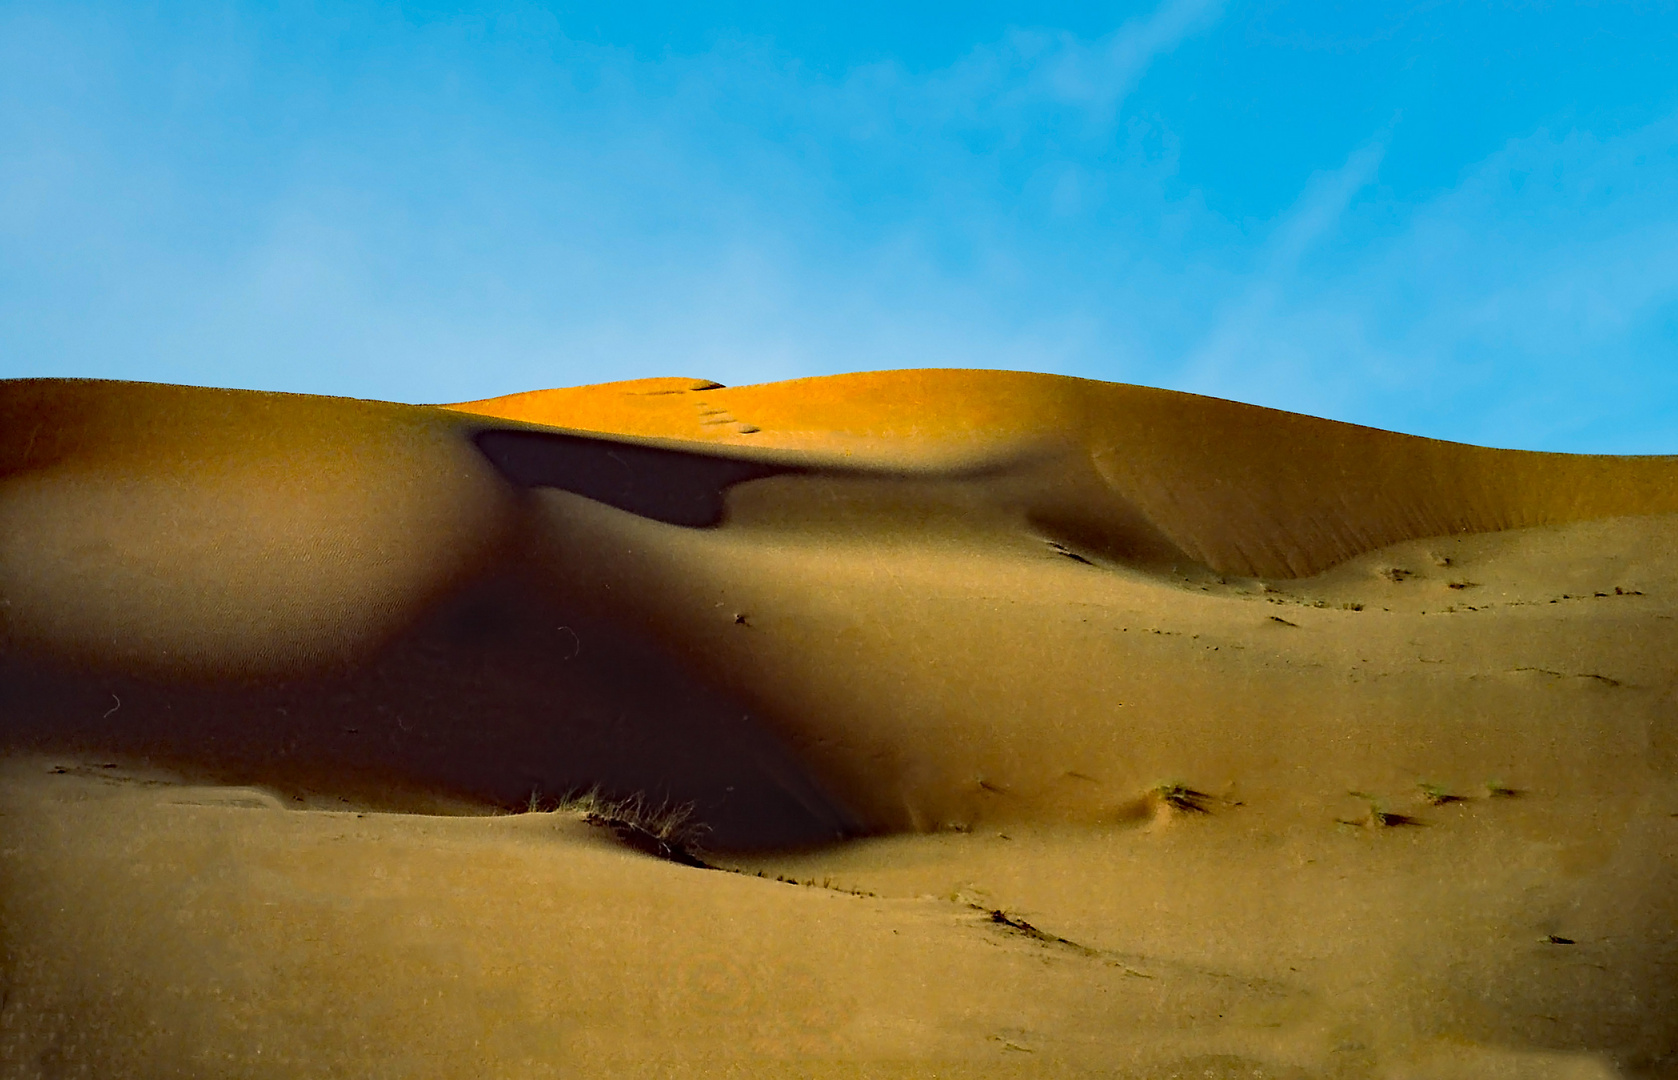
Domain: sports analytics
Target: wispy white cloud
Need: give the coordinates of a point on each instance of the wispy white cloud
(461, 213)
(864, 228)
(1241, 355)
(1097, 75)
(1506, 310)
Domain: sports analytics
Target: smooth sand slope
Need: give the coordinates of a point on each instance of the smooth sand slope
(1104, 731)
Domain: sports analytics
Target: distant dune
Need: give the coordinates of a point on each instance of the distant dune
(1099, 730)
(1143, 475)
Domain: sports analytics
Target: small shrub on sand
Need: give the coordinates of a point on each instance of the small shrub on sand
(664, 831)
(1379, 817)
(1182, 798)
(1434, 795)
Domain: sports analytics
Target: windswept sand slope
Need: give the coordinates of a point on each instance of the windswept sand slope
(1282, 747)
(1136, 471)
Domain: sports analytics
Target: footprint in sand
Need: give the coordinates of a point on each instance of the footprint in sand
(711, 416)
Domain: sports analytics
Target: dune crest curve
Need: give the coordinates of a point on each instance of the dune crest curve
(1241, 489)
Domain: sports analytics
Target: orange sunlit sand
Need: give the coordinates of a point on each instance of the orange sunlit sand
(1024, 726)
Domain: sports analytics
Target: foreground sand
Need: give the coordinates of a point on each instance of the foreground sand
(1437, 814)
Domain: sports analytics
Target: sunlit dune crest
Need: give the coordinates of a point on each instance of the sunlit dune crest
(957, 723)
(1237, 488)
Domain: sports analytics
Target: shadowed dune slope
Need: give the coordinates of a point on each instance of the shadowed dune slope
(335, 597)
(1195, 738)
(778, 602)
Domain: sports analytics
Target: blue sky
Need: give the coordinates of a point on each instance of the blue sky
(1452, 219)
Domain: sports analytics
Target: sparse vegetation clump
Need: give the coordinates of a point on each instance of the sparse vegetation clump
(1183, 799)
(811, 883)
(1379, 817)
(1434, 795)
(665, 831)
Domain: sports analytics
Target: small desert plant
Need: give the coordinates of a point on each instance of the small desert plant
(1182, 798)
(1379, 816)
(666, 831)
(1434, 795)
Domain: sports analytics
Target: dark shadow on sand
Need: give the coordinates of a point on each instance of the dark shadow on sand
(673, 486)
(498, 695)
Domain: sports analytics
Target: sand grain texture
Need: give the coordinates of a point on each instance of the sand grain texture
(1100, 731)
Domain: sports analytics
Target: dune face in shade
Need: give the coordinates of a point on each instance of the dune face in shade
(671, 486)
(216, 533)
(1334, 735)
(816, 567)
(331, 596)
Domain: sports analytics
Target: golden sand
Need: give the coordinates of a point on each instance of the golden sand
(1041, 727)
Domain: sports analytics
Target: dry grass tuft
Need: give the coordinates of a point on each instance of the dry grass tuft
(665, 830)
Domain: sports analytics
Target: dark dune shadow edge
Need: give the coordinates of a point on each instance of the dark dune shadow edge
(676, 487)
(1132, 809)
(197, 515)
(688, 485)
(499, 697)
(268, 524)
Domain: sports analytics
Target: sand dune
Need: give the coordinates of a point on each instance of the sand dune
(1132, 733)
(1136, 472)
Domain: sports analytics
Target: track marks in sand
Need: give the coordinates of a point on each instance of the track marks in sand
(1602, 679)
(1067, 553)
(1011, 925)
(713, 416)
(174, 789)
(1015, 926)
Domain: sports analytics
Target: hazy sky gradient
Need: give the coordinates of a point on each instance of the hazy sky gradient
(1453, 219)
